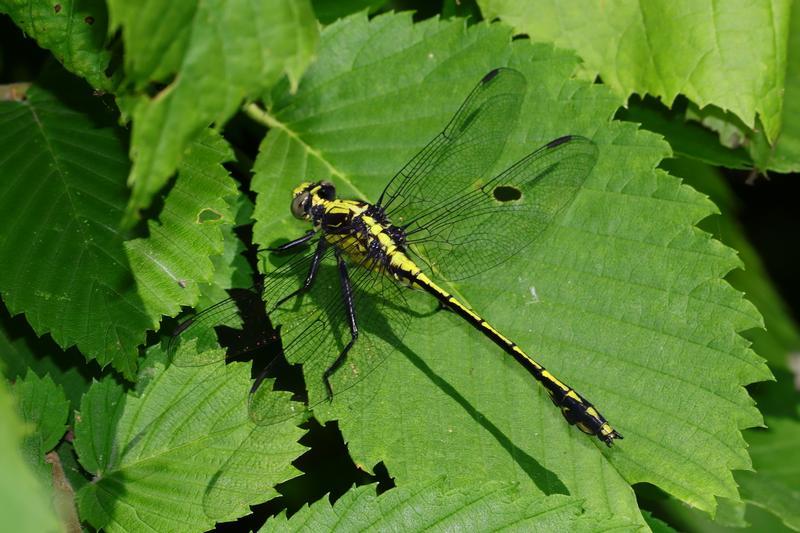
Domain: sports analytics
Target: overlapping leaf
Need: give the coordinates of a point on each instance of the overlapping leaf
(781, 336)
(73, 30)
(62, 259)
(784, 154)
(431, 507)
(775, 484)
(197, 213)
(770, 486)
(42, 405)
(734, 55)
(182, 454)
(624, 299)
(64, 263)
(209, 57)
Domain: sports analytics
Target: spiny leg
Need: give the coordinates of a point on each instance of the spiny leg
(312, 272)
(347, 295)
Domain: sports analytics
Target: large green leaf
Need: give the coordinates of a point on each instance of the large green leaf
(24, 503)
(73, 30)
(180, 455)
(210, 56)
(624, 298)
(63, 261)
(771, 487)
(431, 507)
(730, 54)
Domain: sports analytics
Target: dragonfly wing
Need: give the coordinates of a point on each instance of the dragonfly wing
(462, 154)
(196, 342)
(314, 330)
(488, 223)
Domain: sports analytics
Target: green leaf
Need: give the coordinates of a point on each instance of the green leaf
(685, 518)
(623, 298)
(101, 408)
(783, 155)
(431, 507)
(73, 30)
(231, 269)
(41, 405)
(211, 56)
(780, 336)
(174, 261)
(181, 455)
(63, 262)
(772, 486)
(730, 54)
(687, 139)
(24, 503)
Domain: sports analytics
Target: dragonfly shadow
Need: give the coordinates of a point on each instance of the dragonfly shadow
(544, 479)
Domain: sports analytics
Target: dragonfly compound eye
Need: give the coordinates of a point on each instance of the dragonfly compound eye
(300, 205)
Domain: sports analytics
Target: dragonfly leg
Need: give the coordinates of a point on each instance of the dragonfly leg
(350, 308)
(300, 241)
(312, 273)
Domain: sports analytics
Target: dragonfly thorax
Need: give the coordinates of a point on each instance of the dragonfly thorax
(359, 229)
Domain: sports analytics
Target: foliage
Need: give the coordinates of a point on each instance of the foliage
(153, 156)
(740, 57)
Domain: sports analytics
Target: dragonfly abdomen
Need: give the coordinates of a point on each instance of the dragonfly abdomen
(575, 408)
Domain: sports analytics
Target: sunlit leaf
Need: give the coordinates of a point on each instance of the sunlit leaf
(73, 30)
(182, 455)
(63, 261)
(431, 507)
(734, 55)
(205, 59)
(624, 298)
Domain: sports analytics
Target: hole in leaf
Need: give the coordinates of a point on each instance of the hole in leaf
(506, 193)
(208, 215)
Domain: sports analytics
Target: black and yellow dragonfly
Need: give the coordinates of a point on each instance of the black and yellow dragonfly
(338, 297)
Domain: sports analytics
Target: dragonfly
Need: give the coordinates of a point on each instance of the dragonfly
(339, 295)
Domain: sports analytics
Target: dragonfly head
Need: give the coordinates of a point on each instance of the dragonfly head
(305, 195)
